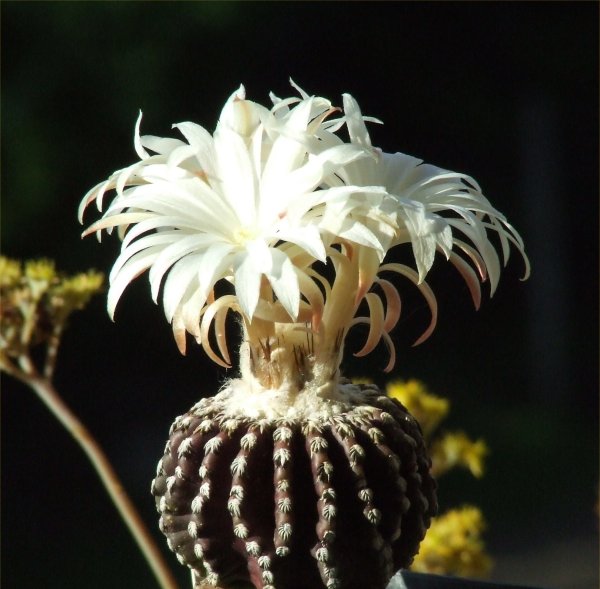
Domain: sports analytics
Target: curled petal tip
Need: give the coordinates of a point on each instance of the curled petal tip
(180, 340)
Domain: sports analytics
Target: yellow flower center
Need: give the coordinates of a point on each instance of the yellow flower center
(243, 235)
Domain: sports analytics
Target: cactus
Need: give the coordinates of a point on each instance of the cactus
(291, 477)
(344, 497)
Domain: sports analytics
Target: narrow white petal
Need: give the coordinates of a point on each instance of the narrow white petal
(161, 145)
(284, 281)
(236, 175)
(215, 263)
(355, 122)
(247, 285)
(130, 270)
(308, 238)
(260, 254)
(182, 278)
(137, 142)
(154, 240)
(200, 139)
(178, 247)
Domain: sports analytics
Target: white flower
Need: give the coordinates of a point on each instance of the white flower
(432, 206)
(261, 204)
(241, 204)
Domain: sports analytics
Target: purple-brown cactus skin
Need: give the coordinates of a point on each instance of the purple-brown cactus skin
(338, 501)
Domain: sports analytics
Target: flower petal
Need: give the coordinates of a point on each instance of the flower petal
(247, 285)
(284, 281)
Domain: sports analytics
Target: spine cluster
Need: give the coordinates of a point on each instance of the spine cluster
(337, 502)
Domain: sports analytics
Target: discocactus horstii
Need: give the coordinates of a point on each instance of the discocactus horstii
(291, 476)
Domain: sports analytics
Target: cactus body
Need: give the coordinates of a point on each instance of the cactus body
(339, 499)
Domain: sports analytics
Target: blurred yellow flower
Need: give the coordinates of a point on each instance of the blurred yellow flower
(40, 270)
(457, 449)
(453, 545)
(426, 408)
(37, 301)
(73, 293)
(10, 272)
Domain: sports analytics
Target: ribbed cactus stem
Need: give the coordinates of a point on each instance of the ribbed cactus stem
(322, 471)
(339, 490)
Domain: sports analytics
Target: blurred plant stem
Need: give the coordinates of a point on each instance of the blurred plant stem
(28, 374)
(36, 303)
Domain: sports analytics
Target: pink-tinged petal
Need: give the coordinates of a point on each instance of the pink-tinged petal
(220, 333)
(392, 352)
(376, 320)
(221, 304)
(179, 333)
(474, 257)
(469, 277)
(368, 265)
(192, 307)
(393, 304)
(385, 337)
(425, 290)
(93, 195)
(478, 237)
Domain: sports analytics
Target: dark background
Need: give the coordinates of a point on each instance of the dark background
(506, 92)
